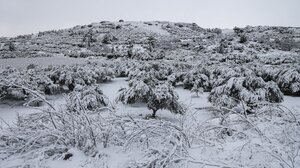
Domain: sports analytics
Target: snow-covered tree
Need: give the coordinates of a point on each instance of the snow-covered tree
(220, 74)
(196, 79)
(288, 81)
(159, 70)
(287, 44)
(164, 97)
(249, 90)
(88, 74)
(243, 38)
(287, 78)
(156, 94)
(109, 38)
(86, 98)
(140, 88)
(20, 84)
(152, 43)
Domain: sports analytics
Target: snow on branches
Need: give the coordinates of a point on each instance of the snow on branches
(289, 81)
(156, 94)
(86, 98)
(248, 90)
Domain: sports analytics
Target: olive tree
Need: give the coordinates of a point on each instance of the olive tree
(248, 90)
(156, 94)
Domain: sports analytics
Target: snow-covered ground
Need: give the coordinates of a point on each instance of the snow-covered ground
(9, 112)
(115, 157)
(41, 61)
(198, 104)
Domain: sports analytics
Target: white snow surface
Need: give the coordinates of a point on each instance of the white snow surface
(42, 61)
(115, 157)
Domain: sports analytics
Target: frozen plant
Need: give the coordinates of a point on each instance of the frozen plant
(289, 81)
(156, 94)
(197, 90)
(86, 98)
(248, 90)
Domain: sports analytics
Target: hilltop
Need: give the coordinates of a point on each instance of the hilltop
(129, 39)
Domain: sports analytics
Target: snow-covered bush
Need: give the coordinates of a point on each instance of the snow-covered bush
(220, 74)
(287, 78)
(87, 74)
(164, 143)
(50, 80)
(9, 46)
(286, 44)
(239, 58)
(278, 58)
(176, 78)
(158, 70)
(267, 72)
(147, 56)
(139, 89)
(243, 38)
(109, 38)
(288, 81)
(196, 79)
(179, 71)
(248, 90)
(145, 88)
(164, 97)
(267, 138)
(17, 85)
(52, 133)
(124, 67)
(151, 43)
(86, 98)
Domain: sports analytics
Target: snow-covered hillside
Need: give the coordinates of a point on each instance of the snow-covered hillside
(150, 94)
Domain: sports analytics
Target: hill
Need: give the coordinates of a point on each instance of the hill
(120, 39)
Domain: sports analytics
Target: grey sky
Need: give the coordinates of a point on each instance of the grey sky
(30, 16)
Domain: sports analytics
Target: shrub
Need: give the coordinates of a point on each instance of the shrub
(164, 97)
(196, 79)
(219, 74)
(159, 70)
(152, 43)
(288, 81)
(70, 76)
(238, 30)
(248, 90)
(11, 46)
(243, 38)
(157, 95)
(86, 98)
(16, 84)
(108, 39)
(118, 27)
(287, 44)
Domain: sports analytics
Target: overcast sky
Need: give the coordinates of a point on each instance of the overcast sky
(31, 16)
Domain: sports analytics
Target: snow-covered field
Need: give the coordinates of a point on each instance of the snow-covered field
(115, 157)
(9, 112)
(150, 94)
(42, 61)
